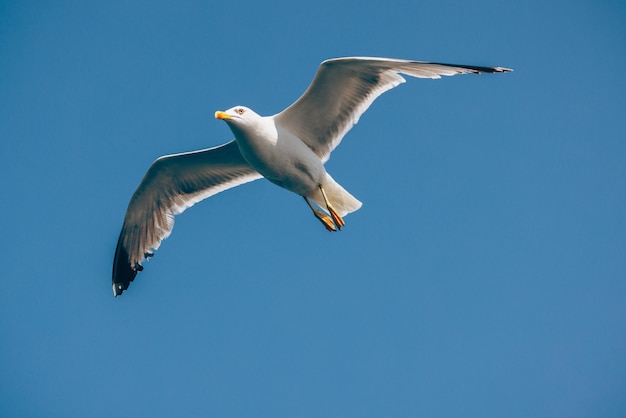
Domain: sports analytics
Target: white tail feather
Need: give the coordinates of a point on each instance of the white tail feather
(342, 201)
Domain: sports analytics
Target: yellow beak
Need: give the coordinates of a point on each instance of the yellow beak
(222, 115)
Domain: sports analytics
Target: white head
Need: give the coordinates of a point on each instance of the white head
(244, 122)
(238, 116)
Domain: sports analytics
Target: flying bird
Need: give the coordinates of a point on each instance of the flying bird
(289, 149)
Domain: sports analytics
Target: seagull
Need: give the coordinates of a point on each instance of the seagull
(289, 149)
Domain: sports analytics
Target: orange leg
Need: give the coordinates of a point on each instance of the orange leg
(338, 220)
(324, 219)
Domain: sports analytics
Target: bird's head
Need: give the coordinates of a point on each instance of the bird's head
(238, 115)
(242, 121)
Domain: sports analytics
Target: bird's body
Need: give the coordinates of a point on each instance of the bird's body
(280, 157)
(284, 159)
(289, 149)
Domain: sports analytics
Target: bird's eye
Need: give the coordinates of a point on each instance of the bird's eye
(240, 111)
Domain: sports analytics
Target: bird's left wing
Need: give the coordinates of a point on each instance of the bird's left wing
(172, 184)
(344, 88)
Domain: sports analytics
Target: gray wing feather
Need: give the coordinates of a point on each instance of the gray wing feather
(172, 184)
(344, 88)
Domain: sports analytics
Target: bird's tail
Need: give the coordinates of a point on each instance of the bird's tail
(342, 201)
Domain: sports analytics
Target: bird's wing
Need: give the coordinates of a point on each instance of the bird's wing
(344, 88)
(172, 184)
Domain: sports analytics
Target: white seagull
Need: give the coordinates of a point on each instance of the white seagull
(289, 149)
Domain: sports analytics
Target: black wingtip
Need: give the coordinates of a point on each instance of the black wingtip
(487, 70)
(476, 69)
(123, 273)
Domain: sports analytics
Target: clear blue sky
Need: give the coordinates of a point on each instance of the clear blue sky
(484, 276)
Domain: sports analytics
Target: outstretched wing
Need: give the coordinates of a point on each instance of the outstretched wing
(172, 184)
(344, 88)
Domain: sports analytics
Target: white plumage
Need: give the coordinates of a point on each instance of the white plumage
(289, 149)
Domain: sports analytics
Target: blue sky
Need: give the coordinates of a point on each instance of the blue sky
(484, 275)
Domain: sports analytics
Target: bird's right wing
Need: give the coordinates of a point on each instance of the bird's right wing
(172, 184)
